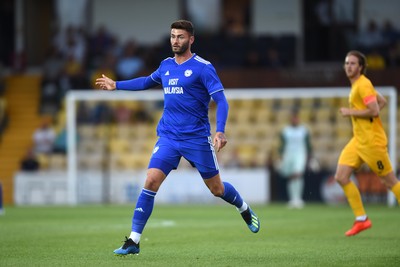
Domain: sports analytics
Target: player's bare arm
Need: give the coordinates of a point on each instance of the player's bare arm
(219, 141)
(106, 83)
(381, 101)
(372, 110)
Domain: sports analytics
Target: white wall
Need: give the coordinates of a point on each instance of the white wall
(277, 17)
(71, 13)
(205, 14)
(146, 21)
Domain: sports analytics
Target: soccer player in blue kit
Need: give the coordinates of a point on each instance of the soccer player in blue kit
(188, 82)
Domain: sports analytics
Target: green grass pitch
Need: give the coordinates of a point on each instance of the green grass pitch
(198, 235)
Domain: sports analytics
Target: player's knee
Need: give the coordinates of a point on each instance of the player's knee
(152, 184)
(217, 191)
(341, 179)
(387, 184)
(389, 180)
(154, 179)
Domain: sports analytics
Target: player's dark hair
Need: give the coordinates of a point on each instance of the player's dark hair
(362, 60)
(183, 25)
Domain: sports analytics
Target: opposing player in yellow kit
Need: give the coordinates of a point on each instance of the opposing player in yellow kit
(369, 142)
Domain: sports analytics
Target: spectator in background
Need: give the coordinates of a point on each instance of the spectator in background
(52, 66)
(389, 33)
(234, 26)
(122, 114)
(294, 150)
(102, 113)
(59, 38)
(376, 60)
(43, 138)
(29, 162)
(74, 75)
(60, 142)
(50, 91)
(74, 54)
(142, 115)
(84, 113)
(100, 44)
(370, 38)
(392, 41)
(129, 64)
(73, 43)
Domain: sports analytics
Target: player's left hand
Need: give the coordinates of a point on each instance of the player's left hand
(219, 141)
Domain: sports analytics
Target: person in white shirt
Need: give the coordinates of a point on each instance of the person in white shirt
(43, 138)
(294, 150)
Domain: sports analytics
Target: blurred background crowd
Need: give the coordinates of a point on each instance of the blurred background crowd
(71, 54)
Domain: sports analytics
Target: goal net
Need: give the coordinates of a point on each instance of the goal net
(113, 134)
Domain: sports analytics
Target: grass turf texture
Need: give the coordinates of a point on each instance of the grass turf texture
(212, 235)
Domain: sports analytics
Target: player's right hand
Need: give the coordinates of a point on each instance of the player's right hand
(345, 112)
(106, 83)
(219, 141)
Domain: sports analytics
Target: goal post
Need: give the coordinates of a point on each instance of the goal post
(232, 94)
(83, 95)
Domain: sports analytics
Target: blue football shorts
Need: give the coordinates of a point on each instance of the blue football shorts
(199, 152)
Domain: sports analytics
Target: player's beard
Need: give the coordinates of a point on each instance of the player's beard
(351, 73)
(181, 49)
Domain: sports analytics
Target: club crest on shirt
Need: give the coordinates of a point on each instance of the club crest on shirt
(188, 73)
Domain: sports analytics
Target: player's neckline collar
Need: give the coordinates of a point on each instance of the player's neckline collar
(193, 55)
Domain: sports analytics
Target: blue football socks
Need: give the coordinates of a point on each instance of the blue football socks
(232, 196)
(143, 210)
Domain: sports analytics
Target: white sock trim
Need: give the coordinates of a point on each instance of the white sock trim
(243, 207)
(135, 237)
(361, 218)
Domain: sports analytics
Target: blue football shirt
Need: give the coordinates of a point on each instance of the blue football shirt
(187, 93)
